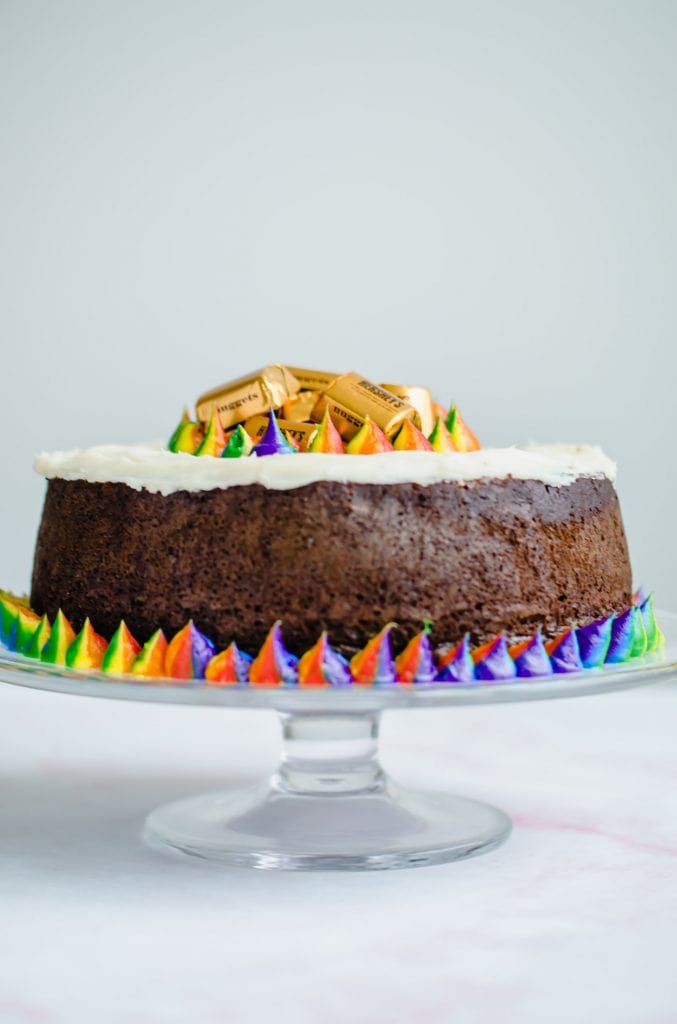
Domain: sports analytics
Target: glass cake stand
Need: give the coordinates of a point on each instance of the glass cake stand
(329, 804)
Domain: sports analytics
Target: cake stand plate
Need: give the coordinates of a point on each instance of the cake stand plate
(329, 804)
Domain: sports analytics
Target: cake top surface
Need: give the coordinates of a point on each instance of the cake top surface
(152, 467)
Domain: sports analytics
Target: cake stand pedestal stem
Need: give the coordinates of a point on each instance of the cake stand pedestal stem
(330, 754)
(329, 805)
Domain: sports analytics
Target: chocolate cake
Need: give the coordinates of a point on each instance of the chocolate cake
(314, 529)
(479, 542)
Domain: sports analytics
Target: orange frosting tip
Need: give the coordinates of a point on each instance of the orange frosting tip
(369, 440)
(273, 665)
(461, 434)
(150, 662)
(229, 668)
(410, 439)
(327, 439)
(374, 663)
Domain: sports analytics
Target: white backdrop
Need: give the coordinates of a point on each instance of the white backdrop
(480, 196)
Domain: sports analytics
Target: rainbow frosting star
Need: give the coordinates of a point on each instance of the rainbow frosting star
(462, 436)
(61, 637)
(274, 665)
(229, 668)
(531, 658)
(39, 639)
(457, 665)
(121, 652)
(191, 655)
(321, 665)
(416, 663)
(369, 440)
(564, 652)
(273, 441)
(440, 439)
(188, 653)
(493, 661)
(150, 661)
(374, 664)
(410, 439)
(187, 436)
(214, 441)
(327, 439)
(27, 622)
(87, 650)
(239, 444)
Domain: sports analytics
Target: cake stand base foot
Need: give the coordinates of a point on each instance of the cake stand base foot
(268, 827)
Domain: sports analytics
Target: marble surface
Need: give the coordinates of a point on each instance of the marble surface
(574, 919)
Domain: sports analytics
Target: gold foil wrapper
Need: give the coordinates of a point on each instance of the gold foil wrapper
(351, 398)
(420, 398)
(313, 380)
(300, 407)
(302, 433)
(247, 396)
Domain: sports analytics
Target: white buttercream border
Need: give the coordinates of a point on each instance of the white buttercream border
(151, 467)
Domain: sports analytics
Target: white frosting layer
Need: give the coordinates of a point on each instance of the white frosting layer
(153, 468)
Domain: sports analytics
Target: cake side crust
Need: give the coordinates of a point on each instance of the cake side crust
(476, 556)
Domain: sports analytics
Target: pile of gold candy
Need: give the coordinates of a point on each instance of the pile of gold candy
(283, 410)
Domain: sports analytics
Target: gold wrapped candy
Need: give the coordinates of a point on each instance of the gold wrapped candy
(250, 395)
(313, 380)
(300, 407)
(420, 398)
(351, 398)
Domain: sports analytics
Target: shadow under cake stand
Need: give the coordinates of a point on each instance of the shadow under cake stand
(329, 804)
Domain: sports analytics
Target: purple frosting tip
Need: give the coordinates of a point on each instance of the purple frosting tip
(493, 660)
(564, 653)
(273, 441)
(460, 668)
(593, 642)
(531, 658)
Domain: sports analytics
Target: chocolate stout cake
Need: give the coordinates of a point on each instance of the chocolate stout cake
(470, 541)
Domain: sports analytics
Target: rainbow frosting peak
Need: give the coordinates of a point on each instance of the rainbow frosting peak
(493, 661)
(121, 653)
(369, 440)
(531, 658)
(61, 637)
(416, 663)
(214, 441)
(440, 439)
(239, 444)
(457, 666)
(327, 439)
(564, 652)
(150, 662)
(187, 437)
(374, 664)
(188, 653)
(87, 650)
(462, 436)
(191, 655)
(410, 439)
(39, 639)
(321, 665)
(273, 441)
(27, 622)
(274, 665)
(229, 668)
